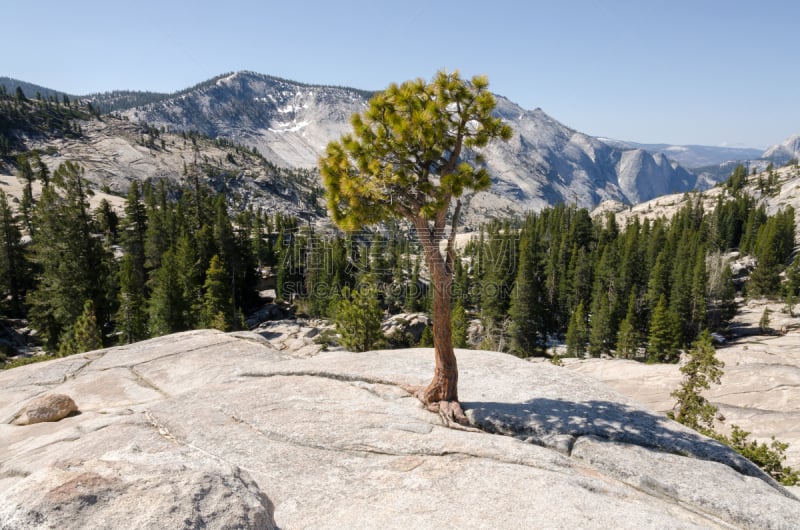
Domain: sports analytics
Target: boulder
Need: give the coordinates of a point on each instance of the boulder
(210, 430)
(52, 407)
(406, 324)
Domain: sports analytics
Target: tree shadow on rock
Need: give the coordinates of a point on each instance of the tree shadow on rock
(547, 422)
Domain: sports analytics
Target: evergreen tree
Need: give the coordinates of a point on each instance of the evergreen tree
(218, 308)
(379, 264)
(720, 292)
(460, 324)
(225, 243)
(629, 338)
(528, 304)
(604, 319)
(702, 368)
(134, 236)
(317, 276)
(190, 280)
(131, 319)
(792, 286)
(280, 250)
(358, 317)
(159, 225)
(499, 262)
(698, 306)
(581, 278)
(773, 248)
(73, 263)
(577, 332)
(27, 203)
(167, 305)
(763, 323)
(413, 303)
(14, 268)
(108, 221)
(260, 247)
(84, 335)
(664, 334)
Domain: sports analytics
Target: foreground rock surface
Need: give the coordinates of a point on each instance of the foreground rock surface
(210, 430)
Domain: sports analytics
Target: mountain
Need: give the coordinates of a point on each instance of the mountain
(784, 152)
(545, 162)
(692, 156)
(113, 152)
(29, 89)
(289, 123)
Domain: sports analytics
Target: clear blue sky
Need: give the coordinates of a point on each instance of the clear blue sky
(701, 71)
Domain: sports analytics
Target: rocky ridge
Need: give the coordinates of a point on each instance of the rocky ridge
(114, 152)
(210, 430)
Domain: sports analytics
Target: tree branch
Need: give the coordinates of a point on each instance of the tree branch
(451, 253)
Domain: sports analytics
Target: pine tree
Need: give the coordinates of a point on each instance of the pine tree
(74, 264)
(131, 319)
(167, 305)
(159, 225)
(702, 368)
(218, 310)
(604, 319)
(27, 204)
(358, 317)
(280, 251)
(792, 286)
(379, 264)
(84, 335)
(763, 323)
(577, 332)
(721, 292)
(629, 338)
(412, 303)
(190, 280)
(459, 324)
(664, 334)
(499, 263)
(698, 306)
(15, 272)
(134, 236)
(772, 249)
(528, 304)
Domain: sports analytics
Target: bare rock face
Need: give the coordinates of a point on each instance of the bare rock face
(210, 430)
(52, 407)
(174, 493)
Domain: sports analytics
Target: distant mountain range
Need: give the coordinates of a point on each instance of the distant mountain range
(545, 162)
(693, 156)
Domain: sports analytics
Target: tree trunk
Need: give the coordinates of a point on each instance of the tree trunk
(441, 395)
(444, 386)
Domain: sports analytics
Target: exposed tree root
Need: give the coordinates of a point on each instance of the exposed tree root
(450, 411)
